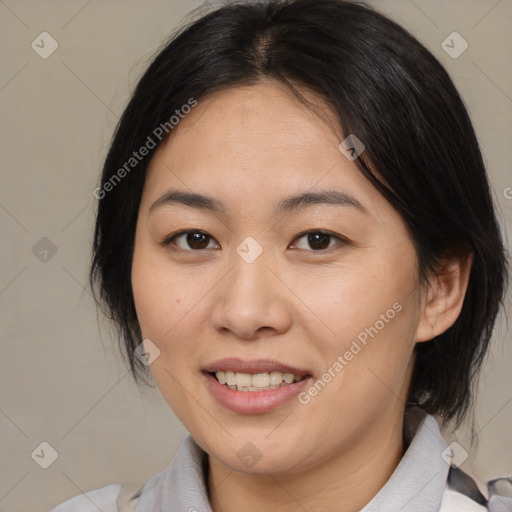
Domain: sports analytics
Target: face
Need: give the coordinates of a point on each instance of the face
(328, 287)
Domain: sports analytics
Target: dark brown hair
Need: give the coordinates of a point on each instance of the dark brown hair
(386, 88)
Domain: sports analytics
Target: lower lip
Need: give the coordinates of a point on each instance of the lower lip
(253, 402)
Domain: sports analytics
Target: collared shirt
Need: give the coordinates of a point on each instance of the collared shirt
(423, 481)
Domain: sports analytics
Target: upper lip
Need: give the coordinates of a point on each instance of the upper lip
(233, 364)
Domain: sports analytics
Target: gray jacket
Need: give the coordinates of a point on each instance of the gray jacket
(425, 480)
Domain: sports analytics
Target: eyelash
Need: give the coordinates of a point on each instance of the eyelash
(168, 241)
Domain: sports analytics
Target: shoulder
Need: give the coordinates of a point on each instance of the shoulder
(461, 494)
(104, 499)
(454, 501)
(146, 496)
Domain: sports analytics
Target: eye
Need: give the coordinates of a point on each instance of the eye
(195, 239)
(320, 240)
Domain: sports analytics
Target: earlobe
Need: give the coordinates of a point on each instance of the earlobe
(444, 298)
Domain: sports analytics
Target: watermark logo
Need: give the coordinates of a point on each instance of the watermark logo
(454, 454)
(44, 45)
(249, 250)
(351, 147)
(44, 250)
(249, 455)
(147, 352)
(44, 455)
(454, 45)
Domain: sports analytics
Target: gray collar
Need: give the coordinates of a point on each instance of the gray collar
(417, 483)
(419, 480)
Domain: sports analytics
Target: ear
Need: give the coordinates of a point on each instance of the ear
(444, 298)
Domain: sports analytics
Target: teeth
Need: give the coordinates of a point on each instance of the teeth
(275, 378)
(288, 377)
(260, 380)
(243, 379)
(256, 381)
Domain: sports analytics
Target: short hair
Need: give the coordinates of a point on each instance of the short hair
(384, 87)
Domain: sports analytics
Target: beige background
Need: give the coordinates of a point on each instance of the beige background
(62, 383)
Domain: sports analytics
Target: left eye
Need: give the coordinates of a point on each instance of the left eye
(320, 240)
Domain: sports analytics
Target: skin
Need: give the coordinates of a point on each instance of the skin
(250, 147)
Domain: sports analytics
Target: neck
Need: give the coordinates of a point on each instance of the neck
(351, 477)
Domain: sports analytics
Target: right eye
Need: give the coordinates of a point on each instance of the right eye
(195, 239)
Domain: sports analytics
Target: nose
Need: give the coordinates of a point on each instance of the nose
(251, 301)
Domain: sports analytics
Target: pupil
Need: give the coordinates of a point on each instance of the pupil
(318, 240)
(195, 239)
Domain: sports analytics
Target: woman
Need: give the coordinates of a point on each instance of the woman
(295, 217)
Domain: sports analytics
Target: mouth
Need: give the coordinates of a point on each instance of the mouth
(261, 381)
(258, 386)
(255, 375)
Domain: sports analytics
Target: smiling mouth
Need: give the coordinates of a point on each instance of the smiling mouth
(263, 381)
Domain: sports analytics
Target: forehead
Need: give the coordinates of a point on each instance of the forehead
(255, 121)
(254, 145)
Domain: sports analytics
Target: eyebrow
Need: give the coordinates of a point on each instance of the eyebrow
(289, 204)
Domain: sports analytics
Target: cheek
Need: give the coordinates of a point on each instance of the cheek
(372, 310)
(162, 310)
(150, 295)
(362, 300)
(160, 300)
